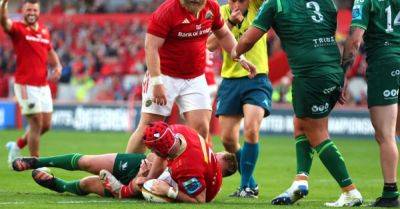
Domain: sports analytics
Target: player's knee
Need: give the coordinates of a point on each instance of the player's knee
(382, 137)
(45, 128)
(251, 132)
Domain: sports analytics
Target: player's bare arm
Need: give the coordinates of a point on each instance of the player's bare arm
(162, 188)
(247, 41)
(152, 44)
(235, 18)
(4, 20)
(158, 166)
(55, 64)
(351, 46)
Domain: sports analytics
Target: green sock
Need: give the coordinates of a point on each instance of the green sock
(69, 186)
(67, 162)
(304, 155)
(334, 162)
(390, 190)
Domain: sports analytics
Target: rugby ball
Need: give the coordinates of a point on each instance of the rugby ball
(149, 196)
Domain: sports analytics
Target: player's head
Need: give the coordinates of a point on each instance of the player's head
(31, 11)
(160, 138)
(242, 5)
(193, 5)
(228, 163)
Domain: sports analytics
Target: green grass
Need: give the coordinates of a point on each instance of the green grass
(274, 174)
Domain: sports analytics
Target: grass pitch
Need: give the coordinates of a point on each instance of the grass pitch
(274, 173)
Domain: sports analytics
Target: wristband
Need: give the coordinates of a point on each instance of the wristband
(232, 23)
(242, 58)
(156, 80)
(172, 193)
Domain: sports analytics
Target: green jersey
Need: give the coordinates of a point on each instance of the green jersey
(307, 30)
(381, 20)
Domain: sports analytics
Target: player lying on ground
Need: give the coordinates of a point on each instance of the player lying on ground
(192, 172)
(125, 167)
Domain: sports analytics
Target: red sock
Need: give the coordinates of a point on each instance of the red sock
(127, 191)
(21, 143)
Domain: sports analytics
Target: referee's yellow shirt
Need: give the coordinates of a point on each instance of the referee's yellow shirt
(257, 55)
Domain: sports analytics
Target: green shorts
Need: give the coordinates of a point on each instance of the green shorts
(126, 166)
(383, 81)
(315, 97)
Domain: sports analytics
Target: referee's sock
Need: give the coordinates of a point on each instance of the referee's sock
(248, 161)
(252, 183)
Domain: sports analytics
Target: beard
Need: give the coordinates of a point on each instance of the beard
(193, 5)
(31, 19)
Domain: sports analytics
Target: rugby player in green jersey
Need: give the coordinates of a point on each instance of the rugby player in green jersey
(307, 31)
(241, 97)
(378, 23)
(127, 168)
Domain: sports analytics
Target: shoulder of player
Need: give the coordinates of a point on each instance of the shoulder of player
(167, 7)
(213, 4)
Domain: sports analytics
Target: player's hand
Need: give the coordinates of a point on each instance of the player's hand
(249, 67)
(159, 95)
(160, 187)
(236, 16)
(145, 167)
(140, 181)
(343, 93)
(55, 74)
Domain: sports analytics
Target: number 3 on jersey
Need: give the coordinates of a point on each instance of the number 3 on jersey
(318, 17)
(396, 22)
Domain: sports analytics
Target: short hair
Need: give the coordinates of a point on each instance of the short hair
(231, 164)
(31, 1)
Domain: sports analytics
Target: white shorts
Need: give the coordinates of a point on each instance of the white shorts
(189, 95)
(33, 99)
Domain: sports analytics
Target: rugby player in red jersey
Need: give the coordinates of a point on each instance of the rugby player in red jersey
(190, 171)
(176, 58)
(33, 48)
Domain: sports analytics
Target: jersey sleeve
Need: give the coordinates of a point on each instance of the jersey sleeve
(256, 4)
(159, 24)
(14, 30)
(265, 16)
(360, 14)
(191, 185)
(218, 21)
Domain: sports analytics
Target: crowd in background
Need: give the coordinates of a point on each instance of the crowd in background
(105, 62)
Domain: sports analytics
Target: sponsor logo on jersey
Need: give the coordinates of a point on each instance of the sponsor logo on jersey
(357, 12)
(391, 94)
(395, 73)
(148, 103)
(124, 166)
(192, 186)
(329, 90)
(324, 41)
(37, 39)
(209, 15)
(319, 109)
(195, 33)
(185, 21)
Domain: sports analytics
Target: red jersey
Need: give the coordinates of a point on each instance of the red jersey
(32, 48)
(183, 52)
(196, 168)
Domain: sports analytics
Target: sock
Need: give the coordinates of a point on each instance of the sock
(252, 183)
(334, 162)
(67, 162)
(304, 155)
(248, 161)
(21, 142)
(69, 186)
(390, 190)
(127, 191)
